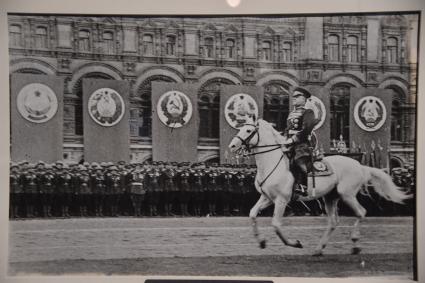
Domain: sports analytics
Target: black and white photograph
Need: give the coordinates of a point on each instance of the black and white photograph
(260, 145)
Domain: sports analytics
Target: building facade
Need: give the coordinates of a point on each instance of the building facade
(276, 53)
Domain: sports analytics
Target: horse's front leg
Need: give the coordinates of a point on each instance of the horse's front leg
(331, 205)
(262, 203)
(279, 210)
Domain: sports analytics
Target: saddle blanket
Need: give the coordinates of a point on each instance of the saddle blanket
(321, 168)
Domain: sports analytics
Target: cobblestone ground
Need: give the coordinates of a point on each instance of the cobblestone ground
(32, 241)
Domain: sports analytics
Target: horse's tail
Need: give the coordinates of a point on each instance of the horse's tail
(384, 186)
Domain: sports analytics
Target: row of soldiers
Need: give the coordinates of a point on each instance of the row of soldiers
(158, 189)
(150, 188)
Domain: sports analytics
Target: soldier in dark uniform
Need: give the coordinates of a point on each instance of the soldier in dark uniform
(199, 191)
(137, 189)
(184, 190)
(240, 189)
(227, 186)
(212, 188)
(154, 188)
(114, 188)
(65, 188)
(84, 190)
(169, 187)
(30, 186)
(99, 189)
(46, 190)
(300, 124)
(16, 191)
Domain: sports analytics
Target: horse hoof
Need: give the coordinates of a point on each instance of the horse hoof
(355, 250)
(318, 253)
(263, 244)
(298, 245)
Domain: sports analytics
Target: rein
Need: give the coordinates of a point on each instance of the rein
(245, 142)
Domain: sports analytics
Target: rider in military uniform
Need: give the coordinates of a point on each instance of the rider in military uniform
(300, 124)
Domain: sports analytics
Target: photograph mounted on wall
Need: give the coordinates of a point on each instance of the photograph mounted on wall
(272, 146)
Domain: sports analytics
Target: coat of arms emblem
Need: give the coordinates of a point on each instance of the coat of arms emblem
(37, 103)
(370, 113)
(106, 107)
(314, 103)
(174, 109)
(240, 109)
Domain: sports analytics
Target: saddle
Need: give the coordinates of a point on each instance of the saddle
(321, 168)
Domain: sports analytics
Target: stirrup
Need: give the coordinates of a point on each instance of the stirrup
(301, 190)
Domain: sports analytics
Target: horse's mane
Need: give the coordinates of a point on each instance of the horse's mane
(263, 123)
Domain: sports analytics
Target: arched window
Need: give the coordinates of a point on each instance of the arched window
(266, 49)
(392, 50)
(333, 43)
(352, 46)
(209, 47)
(209, 108)
(141, 111)
(171, 45)
(78, 103)
(108, 39)
(340, 111)
(84, 40)
(41, 37)
(148, 44)
(287, 51)
(15, 36)
(276, 103)
(230, 48)
(397, 115)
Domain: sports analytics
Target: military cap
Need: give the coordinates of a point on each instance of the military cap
(301, 91)
(65, 166)
(122, 162)
(40, 162)
(86, 164)
(48, 166)
(113, 168)
(59, 162)
(14, 165)
(25, 162)
(82, 167)
(103, 164)
(174, 163)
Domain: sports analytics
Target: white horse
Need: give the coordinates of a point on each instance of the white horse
(274, 182)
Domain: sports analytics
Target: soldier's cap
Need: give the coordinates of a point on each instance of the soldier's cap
(65, 166)
(301, 91)
(14, 165)
(48, 167)
(86, 164)
(103, 164)
(40, 162)
(244, 165)
(59, 162)
(122, 162)
(82, 167)
(174, 163)
(113, 168)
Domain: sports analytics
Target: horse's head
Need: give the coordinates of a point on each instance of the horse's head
(245, 138)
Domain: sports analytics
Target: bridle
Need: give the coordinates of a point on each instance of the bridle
(247, 148)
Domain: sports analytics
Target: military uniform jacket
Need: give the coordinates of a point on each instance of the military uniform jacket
(198, 184)
(240, 182)
(64, 183)
(98, 184)
(113, 184)
(47, 183)
(169, 181)
(154, 181)
(300, 124)
(212, 181)
(137, 183)
(83, 184)
(227, 181)
(15, 183)
(184, 178)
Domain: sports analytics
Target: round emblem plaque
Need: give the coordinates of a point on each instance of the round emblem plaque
(37, 103)
(174, 109)
(370, 113)
(106, 107)
(240, 109)
(316, 104)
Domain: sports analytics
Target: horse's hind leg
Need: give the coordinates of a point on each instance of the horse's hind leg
(262, 203)
(331, 206)
(360, 213)
(279, 210)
